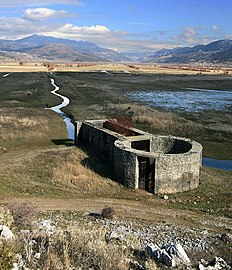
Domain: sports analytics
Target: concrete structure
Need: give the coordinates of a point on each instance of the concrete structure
(157, 164)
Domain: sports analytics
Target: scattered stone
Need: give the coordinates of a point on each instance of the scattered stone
(114, 235)
(216, 264)
(37, 256)
(3, 150)
(160, 255)
(15, 266)
(45, 227)
(5, 233)
(177, 253)
(135, 265)
(165, 197)
(225, 238)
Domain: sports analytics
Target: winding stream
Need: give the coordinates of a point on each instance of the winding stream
(57, 109)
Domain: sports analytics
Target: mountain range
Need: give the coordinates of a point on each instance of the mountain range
(216, 52)
(51, 48)
(40, 47)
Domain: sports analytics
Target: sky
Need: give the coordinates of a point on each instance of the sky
(121, 25)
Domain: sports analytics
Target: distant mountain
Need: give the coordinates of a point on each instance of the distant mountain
(33, 42)
(216, 52)
(38, 47)
(136, 56)
(62, 52)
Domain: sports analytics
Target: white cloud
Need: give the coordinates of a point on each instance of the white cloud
(84, 30)
(228, 36)
(35, 3)
(35, 14)
(187, 35)
(14, 28)
(216, 29)
(192, 35)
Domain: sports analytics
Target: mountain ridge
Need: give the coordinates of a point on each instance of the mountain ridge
(46, 47)
(219, 51)
(34, 41)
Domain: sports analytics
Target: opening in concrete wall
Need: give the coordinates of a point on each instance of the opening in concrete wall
(169, 145)
(146, 174)
(143, 145)
(179, 147)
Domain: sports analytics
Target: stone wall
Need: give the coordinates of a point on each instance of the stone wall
(177, 160)
(98, 139)
(177, 173)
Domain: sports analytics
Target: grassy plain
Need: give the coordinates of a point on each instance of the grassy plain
(37, 159)
(14, 66)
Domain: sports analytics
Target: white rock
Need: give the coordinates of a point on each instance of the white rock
(115, 236)
(216, 264)
(45, 226)
(37, 256)
(160, 255)
(15, 266)
(165, 197)
(5, 233)
(178, 253)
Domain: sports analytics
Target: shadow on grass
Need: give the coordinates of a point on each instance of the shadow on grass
(97, 164)
(66, 142)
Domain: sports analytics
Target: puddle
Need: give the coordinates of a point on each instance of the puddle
(188, 99)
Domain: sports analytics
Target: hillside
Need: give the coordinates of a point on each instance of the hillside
(62, 52)
(51, 48)
(216, 52)
(97, 53)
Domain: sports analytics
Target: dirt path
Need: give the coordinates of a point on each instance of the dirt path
(128, 209)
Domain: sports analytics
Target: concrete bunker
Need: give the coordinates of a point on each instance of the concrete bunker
(157, 164)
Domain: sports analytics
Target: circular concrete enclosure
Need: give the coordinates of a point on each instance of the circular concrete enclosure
(157, 164)
(160, 164)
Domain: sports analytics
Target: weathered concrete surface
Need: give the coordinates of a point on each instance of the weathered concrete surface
(168, 165)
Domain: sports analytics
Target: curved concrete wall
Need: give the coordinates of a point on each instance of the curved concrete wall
(170, 164)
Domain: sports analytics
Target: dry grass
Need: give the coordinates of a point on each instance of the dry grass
(74, 173)
(75, 248)
(20, 127)
(15, 126)
(155, 120)
(115, 67)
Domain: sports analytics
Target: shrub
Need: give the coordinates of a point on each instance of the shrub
(7, 255)
(107, 212)
(6, 217)
(23, 214)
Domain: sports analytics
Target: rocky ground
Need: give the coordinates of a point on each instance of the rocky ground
(74, 240)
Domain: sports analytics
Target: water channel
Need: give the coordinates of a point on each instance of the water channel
(57, 109)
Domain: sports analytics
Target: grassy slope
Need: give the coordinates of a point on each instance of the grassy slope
(30, 166)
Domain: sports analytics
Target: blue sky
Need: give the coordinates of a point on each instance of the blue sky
(122, 25)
